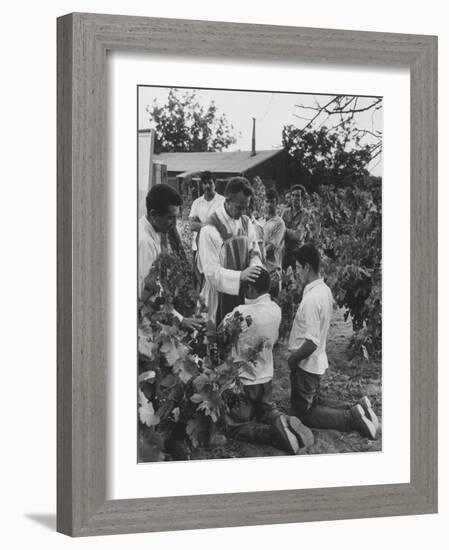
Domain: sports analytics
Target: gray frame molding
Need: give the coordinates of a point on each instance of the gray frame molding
(83, 40)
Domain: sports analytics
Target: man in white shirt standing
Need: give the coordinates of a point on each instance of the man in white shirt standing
(201, 209)
(308, 359)
(260, 330)
(228, 251)
(204, 206)
(162, 204)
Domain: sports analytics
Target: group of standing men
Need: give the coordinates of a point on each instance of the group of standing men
(238, 270)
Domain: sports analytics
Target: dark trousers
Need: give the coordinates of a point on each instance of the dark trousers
(253, 417)
(255, 404)
(312, 410)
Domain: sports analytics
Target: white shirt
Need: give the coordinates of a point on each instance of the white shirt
(149, 249)
(312, 323)
(217, 278)
(202, 209)
(274, 231)
(266, 319)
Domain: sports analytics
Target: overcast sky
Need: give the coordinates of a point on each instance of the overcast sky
(272, 111)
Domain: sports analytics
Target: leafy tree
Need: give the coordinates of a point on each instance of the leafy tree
(337, 142)
(326, 157)
(182, 124)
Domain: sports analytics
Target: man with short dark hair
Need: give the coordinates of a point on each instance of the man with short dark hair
(260, 330)
(308, 359)
(204, 206)
(163, 205)
(228, 251)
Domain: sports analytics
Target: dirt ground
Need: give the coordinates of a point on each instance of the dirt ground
(346, 380)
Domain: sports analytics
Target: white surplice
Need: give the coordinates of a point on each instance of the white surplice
(217, 278)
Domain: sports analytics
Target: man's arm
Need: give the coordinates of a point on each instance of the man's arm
(191, 322)
(194, 220)
(223, 280)
(195, 223)
(302, 353)
(311, 315)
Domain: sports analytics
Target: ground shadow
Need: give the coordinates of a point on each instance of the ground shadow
(47, 520)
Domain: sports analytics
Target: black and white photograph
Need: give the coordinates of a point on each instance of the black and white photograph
(229, 219)
(259, 291)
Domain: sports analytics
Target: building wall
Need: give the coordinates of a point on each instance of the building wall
(272, 172)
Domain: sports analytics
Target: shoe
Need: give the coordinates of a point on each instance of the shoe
(362, 423)
(286, 438)
(303, 434)
(369, 413)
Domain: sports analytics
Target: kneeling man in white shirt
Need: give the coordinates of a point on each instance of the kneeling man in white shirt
(308, 359)
(256, 417)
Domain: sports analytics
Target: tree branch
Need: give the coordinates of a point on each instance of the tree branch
(318, 114)
(362, 109)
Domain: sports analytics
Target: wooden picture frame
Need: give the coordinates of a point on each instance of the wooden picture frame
(83, 40)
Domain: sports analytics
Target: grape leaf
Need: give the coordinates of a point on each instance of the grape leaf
(146, 411)
(147, 376)
(145, 346)
(170, 352)
(169, 381)
(200, 381)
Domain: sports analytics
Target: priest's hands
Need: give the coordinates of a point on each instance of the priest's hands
(192, 323)
(250, 274)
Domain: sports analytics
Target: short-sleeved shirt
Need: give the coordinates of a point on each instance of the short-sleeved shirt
(274, 232)
(265, 321)
(312, 323)
(202, 209)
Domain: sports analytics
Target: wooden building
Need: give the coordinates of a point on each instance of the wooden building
(186, 168)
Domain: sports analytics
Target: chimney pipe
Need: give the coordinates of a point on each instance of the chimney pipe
(253, 140)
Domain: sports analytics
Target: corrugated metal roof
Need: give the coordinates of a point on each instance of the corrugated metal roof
(236, 162)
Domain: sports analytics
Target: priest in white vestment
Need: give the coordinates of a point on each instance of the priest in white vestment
(228, 239)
